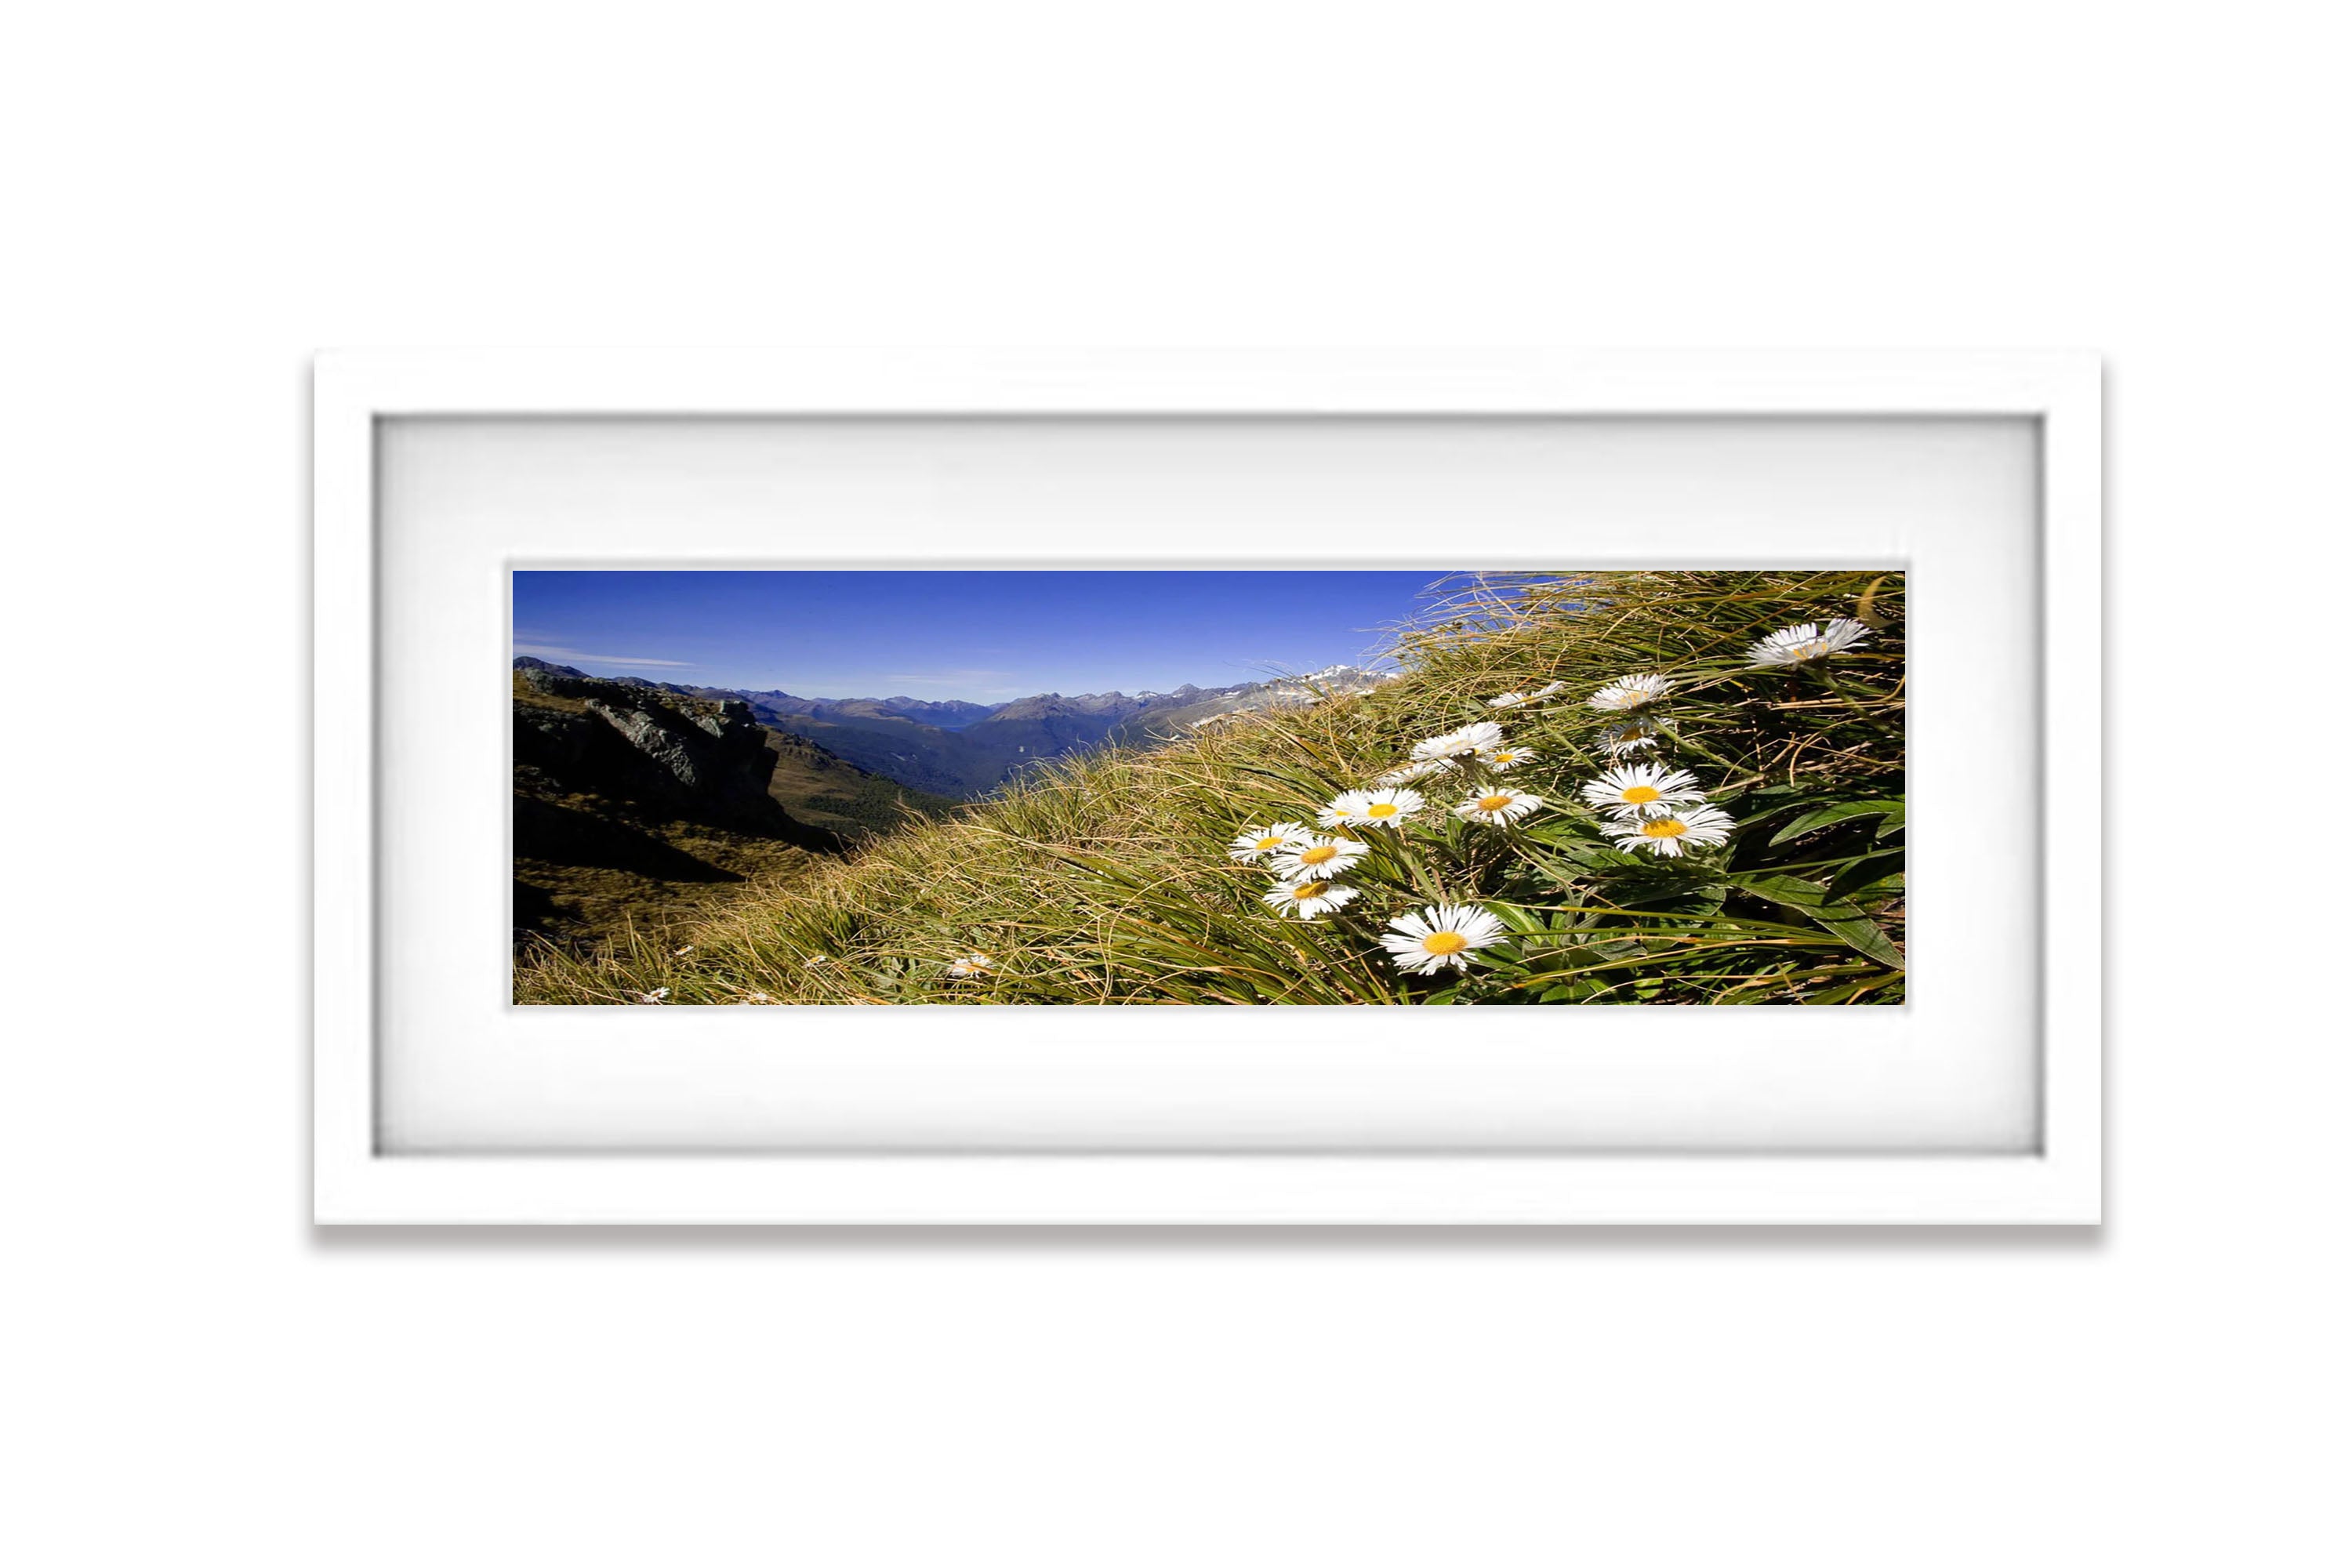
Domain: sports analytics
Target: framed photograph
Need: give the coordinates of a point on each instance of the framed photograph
(1208, 789)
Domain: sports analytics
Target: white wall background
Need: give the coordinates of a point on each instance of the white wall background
(196, 196)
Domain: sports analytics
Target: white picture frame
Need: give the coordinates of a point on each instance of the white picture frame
(358, 1180)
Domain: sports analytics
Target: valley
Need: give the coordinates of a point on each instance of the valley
(964, 750)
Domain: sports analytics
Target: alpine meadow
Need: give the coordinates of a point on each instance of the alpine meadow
(1658, 787)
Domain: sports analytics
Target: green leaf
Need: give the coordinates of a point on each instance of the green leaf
(1866, 873)
(1523, 922)
(1832, 914)
(1841, 812)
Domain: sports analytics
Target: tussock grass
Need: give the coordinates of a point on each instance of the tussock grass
(1105, 879)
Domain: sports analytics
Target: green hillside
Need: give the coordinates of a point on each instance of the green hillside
(609, 847)
(819, 787)
(589, 869)
(959, 764)
(1111, 877)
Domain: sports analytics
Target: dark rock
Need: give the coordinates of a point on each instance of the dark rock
(690, 757)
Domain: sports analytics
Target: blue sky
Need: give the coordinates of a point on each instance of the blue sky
(981, 637)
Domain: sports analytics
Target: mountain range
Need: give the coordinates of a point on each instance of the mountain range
(963, 749)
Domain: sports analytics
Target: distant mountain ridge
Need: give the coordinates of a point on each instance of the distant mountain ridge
(965, 749)
(940, 715)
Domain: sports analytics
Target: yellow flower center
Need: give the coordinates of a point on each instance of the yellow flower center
(1639, 795)
(1271, 841)
(1318, 854)
(1305, 890)
(1493, 802)
(1665, 827)
(1443, 942)
(1380, 809)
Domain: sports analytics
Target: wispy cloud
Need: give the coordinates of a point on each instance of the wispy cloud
(573, 655)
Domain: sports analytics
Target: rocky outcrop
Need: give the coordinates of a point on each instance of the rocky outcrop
(697, 758)
(715, 758)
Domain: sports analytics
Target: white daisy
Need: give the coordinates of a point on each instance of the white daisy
(1553, 689)
(656, 997)
(1258, 843)
(1413, 773)
(1689, 827)
(971, 966)
(1630, 735)
(1803, 643)
(1503, 759)
(682, 952)
(1440, 936)
(1644, 789)
(1459, 743)
(1629, 692)
(1499, 807)
(758, 997)
(1309, 900)
(1371, 808)
(816, 960)
(1308, 858)
(1510, 699)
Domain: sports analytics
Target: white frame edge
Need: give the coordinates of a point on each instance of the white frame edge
(352, 1183)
